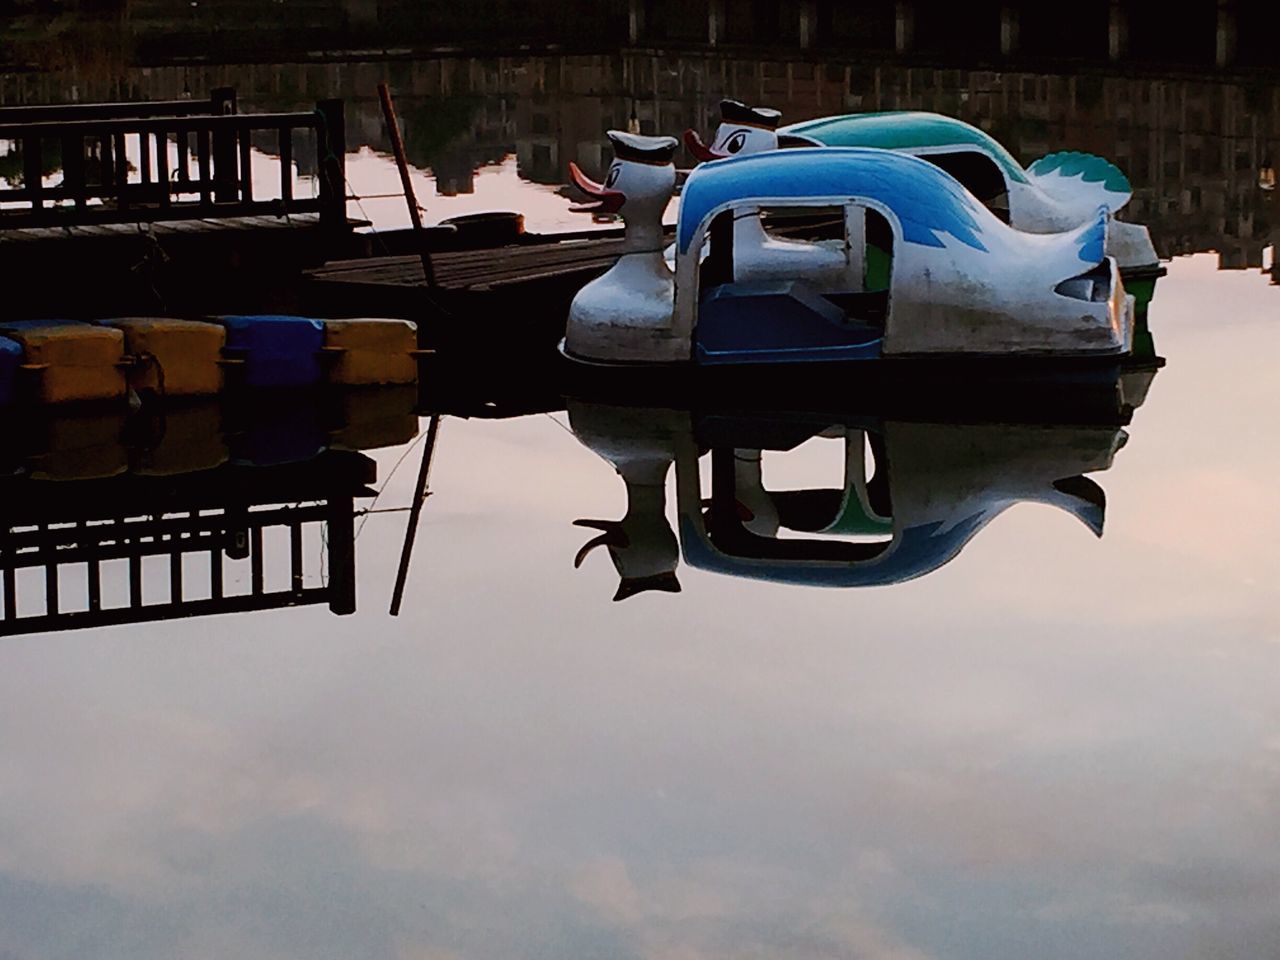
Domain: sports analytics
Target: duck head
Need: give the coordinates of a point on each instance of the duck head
(639, 182)
(743, 130)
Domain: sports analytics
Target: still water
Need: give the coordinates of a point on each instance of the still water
(1055, 744)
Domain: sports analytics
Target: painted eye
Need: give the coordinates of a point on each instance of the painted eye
(612, 178)
(736, 142)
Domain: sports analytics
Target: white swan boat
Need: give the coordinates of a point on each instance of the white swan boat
(962, 286)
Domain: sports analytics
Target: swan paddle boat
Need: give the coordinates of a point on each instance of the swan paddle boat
(963, 286)
(1058, 192)
(911, 496)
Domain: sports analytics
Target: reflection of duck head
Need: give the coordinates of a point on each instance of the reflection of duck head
(743, 130)
(642, 545)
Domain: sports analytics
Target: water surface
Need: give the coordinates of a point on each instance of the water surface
(1054, 744)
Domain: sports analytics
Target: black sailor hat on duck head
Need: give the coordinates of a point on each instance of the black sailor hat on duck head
(737, 123)
(735, 111)
(634, 147)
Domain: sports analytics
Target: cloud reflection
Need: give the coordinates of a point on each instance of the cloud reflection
(1054, 745)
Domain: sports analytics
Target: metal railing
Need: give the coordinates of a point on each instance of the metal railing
(188, 165)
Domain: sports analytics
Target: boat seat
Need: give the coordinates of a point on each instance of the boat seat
(778, 321)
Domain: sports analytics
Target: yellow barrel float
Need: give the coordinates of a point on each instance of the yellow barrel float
(175, 358)
(70, 361)
(187, 438)
(374, 418)
(371, 351)
(76, 444)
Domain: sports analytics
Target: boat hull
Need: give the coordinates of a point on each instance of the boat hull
(1051, 389)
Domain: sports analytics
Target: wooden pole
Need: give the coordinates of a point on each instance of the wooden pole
(415, 215)
(415, 513)
(331, 147)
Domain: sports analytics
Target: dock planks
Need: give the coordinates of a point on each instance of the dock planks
(477, 270)
(160, 228)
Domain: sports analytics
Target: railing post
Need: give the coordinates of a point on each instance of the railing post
(222, 103)
(33, 171)
(636, 27)
(73, 169)
(904, 26)
(341, 531)
(331, 149)
(1117, 32)
(1225, 47)
(1009, 17)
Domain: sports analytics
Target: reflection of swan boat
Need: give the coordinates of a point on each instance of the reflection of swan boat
(934, 486)
(912, 494)
(963, 287)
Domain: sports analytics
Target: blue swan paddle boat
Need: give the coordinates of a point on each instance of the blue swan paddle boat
(1058, 192)
(962, 284)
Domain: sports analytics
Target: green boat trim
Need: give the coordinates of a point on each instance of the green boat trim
(910, 130)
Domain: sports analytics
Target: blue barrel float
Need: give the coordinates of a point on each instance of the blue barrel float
(10, 359)
(277, 351)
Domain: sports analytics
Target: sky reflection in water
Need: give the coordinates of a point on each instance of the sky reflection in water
(1053, 743)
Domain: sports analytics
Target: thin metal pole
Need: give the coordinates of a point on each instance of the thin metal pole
(415, 215)
(415, 512)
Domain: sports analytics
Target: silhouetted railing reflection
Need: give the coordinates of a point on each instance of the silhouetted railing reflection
(109, 515)
(226, 540)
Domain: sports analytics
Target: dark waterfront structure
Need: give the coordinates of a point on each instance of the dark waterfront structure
(1215, 33)
(1191, 145)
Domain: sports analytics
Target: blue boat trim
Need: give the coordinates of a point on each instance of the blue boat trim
(1093, 238)
(911, 554)
(928, 202)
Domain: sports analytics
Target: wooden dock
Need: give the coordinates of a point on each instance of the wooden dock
(161, 230)
(524, 290)
(505, 296)
(476, 271)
